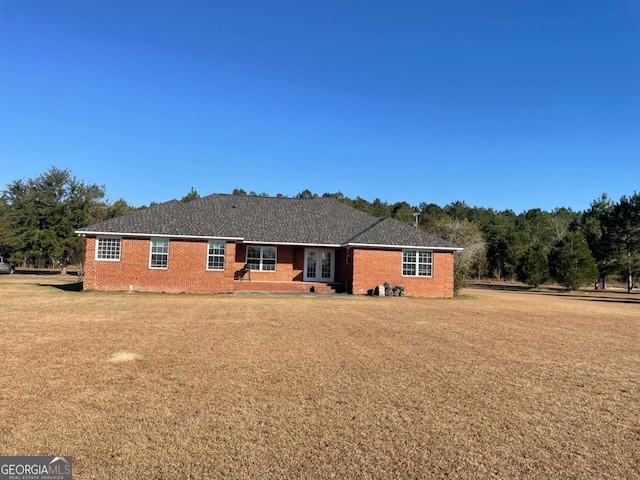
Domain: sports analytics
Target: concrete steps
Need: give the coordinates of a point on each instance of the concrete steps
(301, 287)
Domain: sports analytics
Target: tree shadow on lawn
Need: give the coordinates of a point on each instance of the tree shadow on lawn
(598, 298)
(67, 287)
(585, 295)
(509, 287)
(44, 272)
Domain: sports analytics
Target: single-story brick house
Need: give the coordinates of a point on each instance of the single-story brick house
(231, 243)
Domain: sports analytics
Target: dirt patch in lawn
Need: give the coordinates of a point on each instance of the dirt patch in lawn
(123, 357)
(497, 384)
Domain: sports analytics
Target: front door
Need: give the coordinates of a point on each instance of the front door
(319, 264)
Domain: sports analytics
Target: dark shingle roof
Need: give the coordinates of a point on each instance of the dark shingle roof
(389, 231)
(315, 221)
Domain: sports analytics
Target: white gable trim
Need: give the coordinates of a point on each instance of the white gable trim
(404, 247)
(85, 233)
(293, 244)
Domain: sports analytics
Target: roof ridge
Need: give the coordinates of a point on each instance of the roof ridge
(268, 197)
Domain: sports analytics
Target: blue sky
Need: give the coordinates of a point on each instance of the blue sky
(502, 104)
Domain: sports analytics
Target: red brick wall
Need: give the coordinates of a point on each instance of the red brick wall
(289, 264)
(344, 270)
(375, 267)
(188, 261)
(187, 270)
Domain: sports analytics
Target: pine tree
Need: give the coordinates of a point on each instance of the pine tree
(43, 213)
(625, 230)
(571, 262)
(192, 195)
(533, 268)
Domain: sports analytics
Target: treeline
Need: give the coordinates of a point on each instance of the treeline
(39, 216)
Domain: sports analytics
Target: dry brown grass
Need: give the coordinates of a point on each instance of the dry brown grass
(491, 385)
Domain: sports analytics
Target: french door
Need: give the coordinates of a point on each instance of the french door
(319, 265)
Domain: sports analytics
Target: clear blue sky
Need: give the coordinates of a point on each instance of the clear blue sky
(502, 104)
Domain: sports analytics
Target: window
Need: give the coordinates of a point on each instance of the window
(108, 249)
(159, 257)
(215, 257)
(261, 258)
(417, 263)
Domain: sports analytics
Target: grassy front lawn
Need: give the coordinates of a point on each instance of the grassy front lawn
(496, 384)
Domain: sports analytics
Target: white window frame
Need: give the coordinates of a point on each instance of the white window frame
(417, 263)
(152, 253)
(261, 265)
(98, 258)
(211, 256)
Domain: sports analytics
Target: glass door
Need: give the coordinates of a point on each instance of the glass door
(319, 264)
